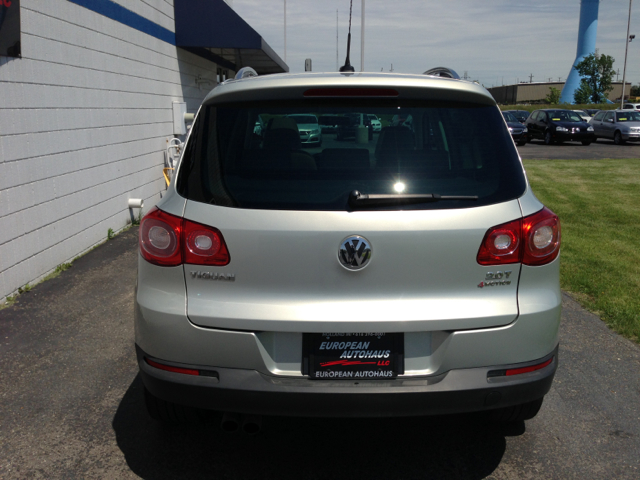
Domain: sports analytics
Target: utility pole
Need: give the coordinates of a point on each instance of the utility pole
(531, 78)
(391, 68)
(362, 40)
(337, 63)
(627, 40)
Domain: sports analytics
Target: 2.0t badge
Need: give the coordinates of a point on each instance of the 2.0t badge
(354, 252)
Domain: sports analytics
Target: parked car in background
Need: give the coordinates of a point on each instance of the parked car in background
(618, 125)
(376, 125)
(583, 114)
(557, 126)
(592, 111)
(347, 129)
(521, 115)
(328, 123)
(518, 131)
(631, 106)
(308, 127)
(417, 278)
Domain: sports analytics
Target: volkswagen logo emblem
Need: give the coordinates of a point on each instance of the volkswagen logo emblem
(354, 252)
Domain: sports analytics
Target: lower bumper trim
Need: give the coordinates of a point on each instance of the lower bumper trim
(251, 392)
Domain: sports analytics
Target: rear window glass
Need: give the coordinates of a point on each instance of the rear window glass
(449, 150)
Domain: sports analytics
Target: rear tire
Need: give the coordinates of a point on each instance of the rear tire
(517, 413)
(168, 412)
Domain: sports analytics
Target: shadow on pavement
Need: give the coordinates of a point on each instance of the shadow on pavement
(455, 446)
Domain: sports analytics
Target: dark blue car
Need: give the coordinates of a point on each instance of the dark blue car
(518, 131)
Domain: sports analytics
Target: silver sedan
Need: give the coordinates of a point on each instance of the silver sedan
(619, 125)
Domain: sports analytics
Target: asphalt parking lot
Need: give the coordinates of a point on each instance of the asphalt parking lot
(71, 403)
(533, 150)
(576, 151)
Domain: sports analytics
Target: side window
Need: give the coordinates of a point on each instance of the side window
(534, 116)
(598, 116)
(609, 116)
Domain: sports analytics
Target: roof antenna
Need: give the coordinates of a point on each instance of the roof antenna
(347, 65)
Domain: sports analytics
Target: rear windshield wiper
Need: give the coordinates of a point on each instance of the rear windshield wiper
(358, 199)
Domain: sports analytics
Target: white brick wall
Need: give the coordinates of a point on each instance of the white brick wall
(85, 116)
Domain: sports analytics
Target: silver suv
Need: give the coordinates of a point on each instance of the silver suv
(412, 274)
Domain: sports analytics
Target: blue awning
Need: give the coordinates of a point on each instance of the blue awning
(211, 29)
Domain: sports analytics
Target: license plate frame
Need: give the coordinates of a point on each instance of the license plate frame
(333, 356)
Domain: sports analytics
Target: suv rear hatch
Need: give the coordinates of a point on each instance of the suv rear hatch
(284, 211)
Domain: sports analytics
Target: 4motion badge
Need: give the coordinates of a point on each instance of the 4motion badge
(495, 279)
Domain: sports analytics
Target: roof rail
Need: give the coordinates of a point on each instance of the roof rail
(442, 72)
(246, 72)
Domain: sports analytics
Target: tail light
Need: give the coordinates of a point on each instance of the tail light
(169, 241)
(204, 245)
(159, 240)
(533, 240)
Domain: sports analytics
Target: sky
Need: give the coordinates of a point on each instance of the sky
(497, 42)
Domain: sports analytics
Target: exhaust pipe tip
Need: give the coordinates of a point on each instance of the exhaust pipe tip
(252, 424)
(230, 422)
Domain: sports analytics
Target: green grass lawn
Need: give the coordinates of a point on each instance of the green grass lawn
(598, 202)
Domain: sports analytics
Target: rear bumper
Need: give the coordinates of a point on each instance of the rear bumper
(249, 391)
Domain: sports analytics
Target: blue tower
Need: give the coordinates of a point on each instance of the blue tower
(586, 45)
